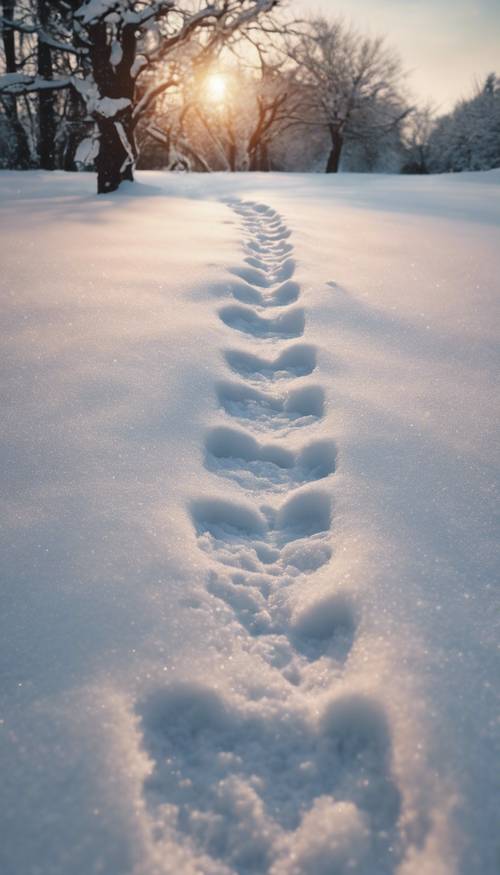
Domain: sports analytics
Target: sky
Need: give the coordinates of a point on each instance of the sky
(445, 44)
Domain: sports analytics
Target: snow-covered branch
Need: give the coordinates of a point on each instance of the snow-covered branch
(42, 36)
(22, 83)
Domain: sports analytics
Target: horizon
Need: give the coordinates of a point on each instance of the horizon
(446, 47)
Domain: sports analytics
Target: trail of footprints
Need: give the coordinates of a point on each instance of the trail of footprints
(270, 786)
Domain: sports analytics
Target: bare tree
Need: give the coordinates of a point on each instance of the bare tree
(121, 44)
(273, 90)
(416, 136)
(350, 85)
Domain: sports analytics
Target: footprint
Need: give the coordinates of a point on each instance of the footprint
(304, 556)
(236, 454)
(232, 533)
(247, 603)
(272, 253)
(295, 361)
(252, 221)
(244, 292)
(326, 625)
(249, 788)
(273, 235)
(268, 263)
(296, 409)
(255, 207)
(355, 729)
(245, 402)
(287, 293)
(290, 540)
(283, 273)
(246, 320)
(220, 516)
(279, 249)
(227, 443)
(257, 263)
(307, 513)
(252, 276)
(306, 401)
(263, 275)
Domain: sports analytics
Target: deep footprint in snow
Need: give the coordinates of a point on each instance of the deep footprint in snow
(277, 249)
(272, 235)
(248, 785)
(272, 266)
(263, 411)
(325, 627)
(298, 360)
(258, 263)
(287, 293)
(236, 454)
(247, 598)
(252, 276)
(245, 319)
(293, 539)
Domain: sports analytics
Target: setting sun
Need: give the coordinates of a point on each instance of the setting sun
(216, 87)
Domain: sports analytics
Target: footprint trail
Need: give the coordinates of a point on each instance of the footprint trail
(276, 785)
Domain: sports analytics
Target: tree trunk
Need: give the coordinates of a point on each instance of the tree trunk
(254, 147)
(46, 113)
(115, 162)
(253, 164)
(22, 157)
(333, 162)
(232, 150)
(264, 164)
(231, 156)
(76, 130)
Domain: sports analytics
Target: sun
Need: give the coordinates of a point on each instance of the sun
(216, 87)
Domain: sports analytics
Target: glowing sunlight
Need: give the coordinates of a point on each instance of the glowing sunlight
(216, 87)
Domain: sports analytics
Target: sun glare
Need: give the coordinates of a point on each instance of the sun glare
(216, 87)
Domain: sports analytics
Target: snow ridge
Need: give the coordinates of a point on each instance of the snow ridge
(279, 785)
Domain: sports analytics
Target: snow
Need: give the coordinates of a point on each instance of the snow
(109, 107)
(87, 151)
(92, 11)
(250, 468)
(116, 54)
(21, 83)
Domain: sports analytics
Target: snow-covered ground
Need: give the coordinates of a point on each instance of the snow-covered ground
(249, 456)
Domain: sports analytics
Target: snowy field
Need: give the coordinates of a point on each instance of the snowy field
(249, 612)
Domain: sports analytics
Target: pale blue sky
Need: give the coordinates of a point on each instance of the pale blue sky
(446, 44)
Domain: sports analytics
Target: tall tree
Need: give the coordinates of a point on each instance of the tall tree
(351, 85)
(127, 42)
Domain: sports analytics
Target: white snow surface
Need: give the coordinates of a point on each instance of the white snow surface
(249, 580)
